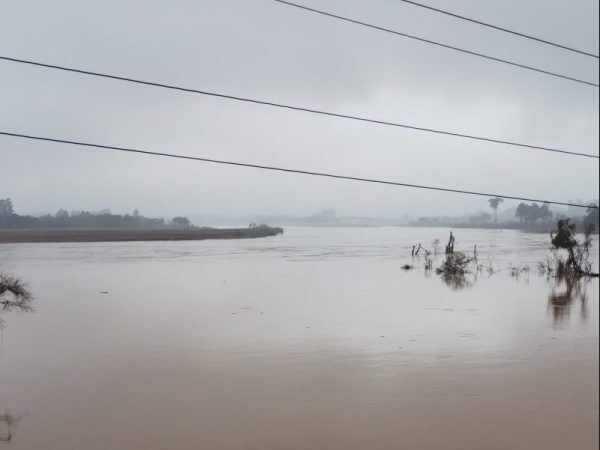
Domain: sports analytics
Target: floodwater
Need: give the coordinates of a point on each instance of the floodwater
(316, 339)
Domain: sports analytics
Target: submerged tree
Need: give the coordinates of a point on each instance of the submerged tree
(450, 245)
(494, 203)
(577, 263)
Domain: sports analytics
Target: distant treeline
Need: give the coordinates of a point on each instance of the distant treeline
(531, 216)
(85, 219)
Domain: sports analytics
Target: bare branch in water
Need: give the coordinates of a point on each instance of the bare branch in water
(14, 294)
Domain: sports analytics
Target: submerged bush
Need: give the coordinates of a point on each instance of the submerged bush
(455, 264)
(454, 270)
(577, 263)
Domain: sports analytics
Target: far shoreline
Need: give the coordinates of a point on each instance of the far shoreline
(49, 235)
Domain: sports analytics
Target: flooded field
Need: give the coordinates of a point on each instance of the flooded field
(316, 339)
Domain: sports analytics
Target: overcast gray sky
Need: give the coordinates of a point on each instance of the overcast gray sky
(261, 49)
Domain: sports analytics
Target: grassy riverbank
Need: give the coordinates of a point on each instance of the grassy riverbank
(108, 235)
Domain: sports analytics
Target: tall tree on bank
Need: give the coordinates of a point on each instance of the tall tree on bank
(6, 207)
(494, 203)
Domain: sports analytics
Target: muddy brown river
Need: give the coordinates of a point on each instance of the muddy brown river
(316, 339)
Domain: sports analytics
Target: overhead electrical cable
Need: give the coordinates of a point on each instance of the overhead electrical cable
(439, 44)
(287, 170)
(496, 27)
(298, 108)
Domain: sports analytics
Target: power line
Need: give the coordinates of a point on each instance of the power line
(506, 30)
(298, 108)
(439, 44)
(286, 170)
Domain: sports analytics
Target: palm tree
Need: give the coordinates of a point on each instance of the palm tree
(494, 203)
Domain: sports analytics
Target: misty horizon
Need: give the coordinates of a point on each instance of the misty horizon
(282, 54)
(505, 212)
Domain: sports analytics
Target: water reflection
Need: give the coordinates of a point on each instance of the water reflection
(565, 294)
(458, 282)
(8, 425)
(566, 291)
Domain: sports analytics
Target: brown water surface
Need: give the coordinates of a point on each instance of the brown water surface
(311, 340)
